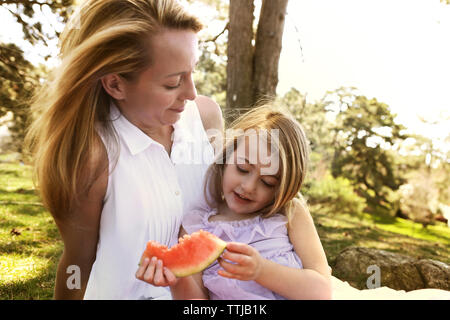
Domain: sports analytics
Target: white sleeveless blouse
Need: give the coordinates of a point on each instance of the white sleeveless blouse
(148, 192)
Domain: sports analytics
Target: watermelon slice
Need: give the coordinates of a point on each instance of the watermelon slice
(192, 254)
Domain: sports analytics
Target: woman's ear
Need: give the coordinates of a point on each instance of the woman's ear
(114, 86)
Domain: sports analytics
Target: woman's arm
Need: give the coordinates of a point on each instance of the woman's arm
(311, 282)
(212, 120)
(79, 229)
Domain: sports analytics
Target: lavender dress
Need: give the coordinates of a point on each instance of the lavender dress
(267, 235)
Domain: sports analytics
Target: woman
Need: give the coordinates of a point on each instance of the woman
(117, 141)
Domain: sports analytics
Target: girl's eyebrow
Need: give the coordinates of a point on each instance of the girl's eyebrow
(248, 162)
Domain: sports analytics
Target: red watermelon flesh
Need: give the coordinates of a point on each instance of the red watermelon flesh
(192, 254)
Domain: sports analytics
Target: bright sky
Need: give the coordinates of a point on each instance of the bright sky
(396, 51)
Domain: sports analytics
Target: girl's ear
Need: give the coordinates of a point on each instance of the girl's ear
(114, 85)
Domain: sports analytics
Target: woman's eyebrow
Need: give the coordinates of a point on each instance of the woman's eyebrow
(176, 74)
(181, 72)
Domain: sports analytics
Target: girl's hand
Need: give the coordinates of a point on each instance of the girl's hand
(247, 262)
(153, 272)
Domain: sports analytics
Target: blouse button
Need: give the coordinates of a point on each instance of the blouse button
(177, 193)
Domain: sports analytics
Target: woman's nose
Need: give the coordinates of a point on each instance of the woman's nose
(190, 92)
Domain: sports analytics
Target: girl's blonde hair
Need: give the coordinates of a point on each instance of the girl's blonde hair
(291, 145)
(104, 37)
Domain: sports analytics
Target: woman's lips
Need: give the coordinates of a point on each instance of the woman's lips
(180, 109)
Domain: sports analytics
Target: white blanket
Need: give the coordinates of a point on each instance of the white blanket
(344, 291)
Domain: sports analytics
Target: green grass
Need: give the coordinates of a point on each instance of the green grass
(339, 231)
(29, 241)
(30, 245)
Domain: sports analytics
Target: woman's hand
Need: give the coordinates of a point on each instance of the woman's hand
(153, 272)
(246, 264)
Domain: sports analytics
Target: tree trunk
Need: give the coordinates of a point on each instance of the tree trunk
(252, 71)
(269, 38)
(240, 57)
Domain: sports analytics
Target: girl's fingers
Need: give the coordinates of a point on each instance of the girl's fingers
(240, 248)
(226, 274)
(230, 267)
(236, 257)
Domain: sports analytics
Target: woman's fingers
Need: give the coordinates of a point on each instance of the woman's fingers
(170, 277)
(153, 272)
(150, 272)
(142, 267)
(159, 279)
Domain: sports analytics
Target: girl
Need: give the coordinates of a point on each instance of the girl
(273, 249)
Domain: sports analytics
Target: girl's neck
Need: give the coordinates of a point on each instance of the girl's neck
(226, 214)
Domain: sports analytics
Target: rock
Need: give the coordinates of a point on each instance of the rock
(436, 274)
(396, 271)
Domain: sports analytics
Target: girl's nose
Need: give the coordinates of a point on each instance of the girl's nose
(249, 185)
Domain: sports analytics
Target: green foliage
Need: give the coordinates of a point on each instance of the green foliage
(312, 117)
(18, 80)
(336, 194)
(24, 12)
(210, 77)
(18, 77)
(364, 132)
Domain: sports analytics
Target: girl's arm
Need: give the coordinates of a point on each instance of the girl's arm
(311, 282)
(153, 272)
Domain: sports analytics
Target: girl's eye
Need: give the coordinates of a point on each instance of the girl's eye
(241, 170)
(268, 184)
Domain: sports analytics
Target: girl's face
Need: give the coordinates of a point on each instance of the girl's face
(248, 186)
(158, 96)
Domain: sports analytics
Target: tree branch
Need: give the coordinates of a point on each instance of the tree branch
(217, 36)
(37, 35)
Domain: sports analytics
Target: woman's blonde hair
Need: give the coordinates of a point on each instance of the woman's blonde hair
(292, 148)
(104, 37)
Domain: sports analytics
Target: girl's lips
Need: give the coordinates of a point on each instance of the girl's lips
(239, 199)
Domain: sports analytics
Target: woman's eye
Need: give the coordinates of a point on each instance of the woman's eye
(173, 87)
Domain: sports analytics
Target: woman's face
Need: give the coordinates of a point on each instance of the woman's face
(158, 96)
